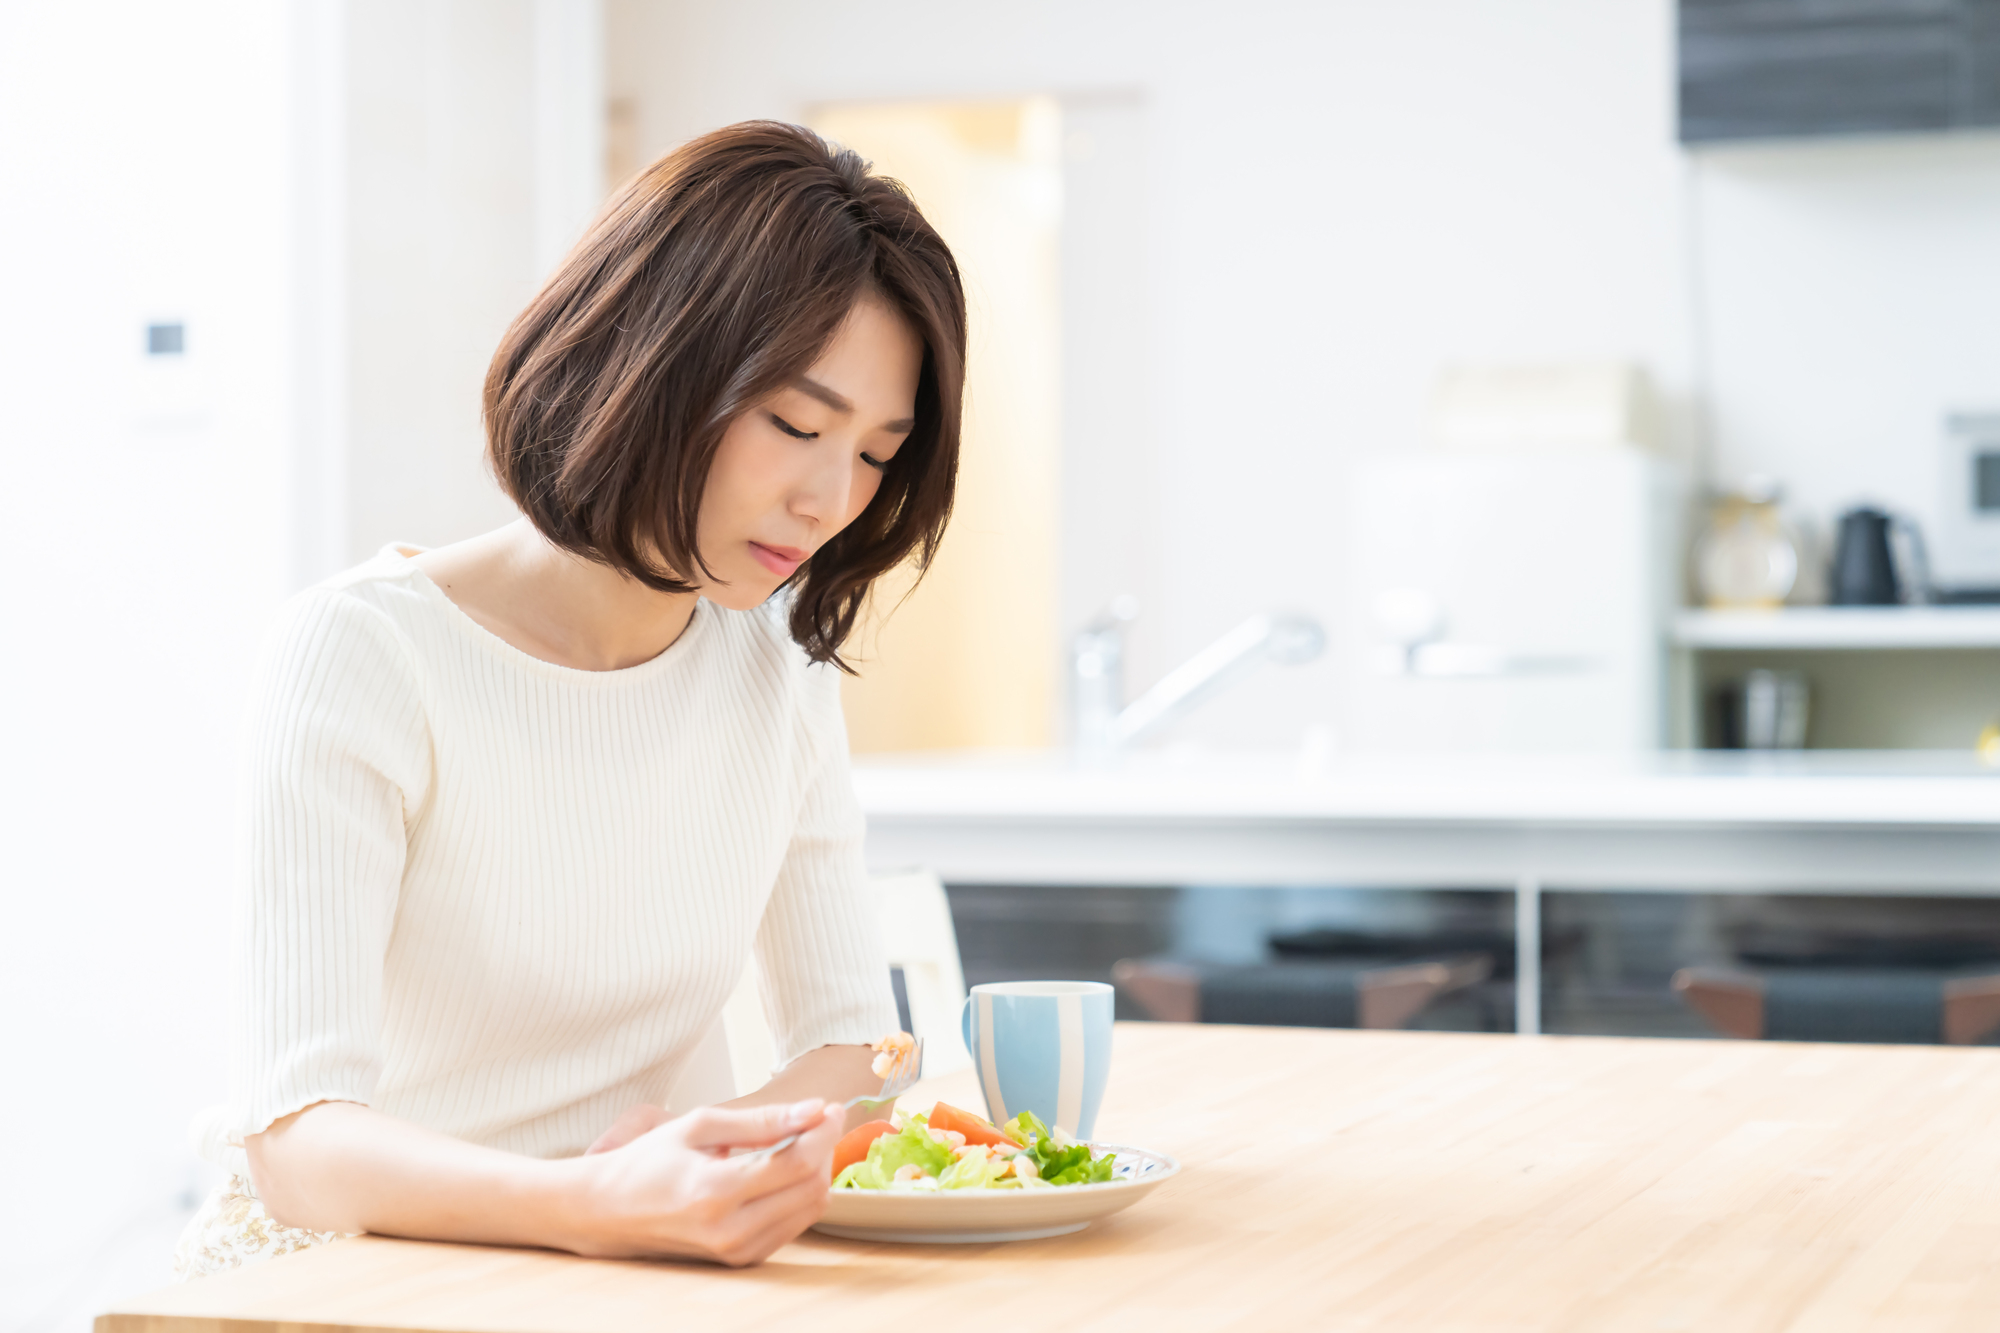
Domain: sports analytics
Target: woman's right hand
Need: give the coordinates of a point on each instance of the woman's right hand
(674, 1190)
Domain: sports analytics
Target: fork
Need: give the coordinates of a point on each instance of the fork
(903, 1076)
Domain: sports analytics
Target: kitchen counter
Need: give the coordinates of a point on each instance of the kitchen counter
(1717, 787)
(1878, 822)
(1908, 822)
(1343, 1180)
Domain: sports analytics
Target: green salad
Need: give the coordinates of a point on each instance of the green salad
(1024, 1154)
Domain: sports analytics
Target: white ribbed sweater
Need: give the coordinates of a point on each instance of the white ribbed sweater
(505, 899)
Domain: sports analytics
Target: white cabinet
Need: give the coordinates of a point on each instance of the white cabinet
(1512, 601)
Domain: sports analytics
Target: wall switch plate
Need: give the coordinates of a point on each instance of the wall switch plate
(169, 381)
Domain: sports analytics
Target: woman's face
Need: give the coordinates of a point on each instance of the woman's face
(802, 464)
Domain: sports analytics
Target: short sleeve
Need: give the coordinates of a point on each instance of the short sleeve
(820, 965)
(337, 759)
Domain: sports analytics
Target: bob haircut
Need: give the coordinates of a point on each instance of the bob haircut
(713, 279)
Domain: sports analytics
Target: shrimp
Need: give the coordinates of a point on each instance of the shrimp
(891, 1051)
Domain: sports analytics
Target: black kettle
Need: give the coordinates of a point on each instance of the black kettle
(1865, 563)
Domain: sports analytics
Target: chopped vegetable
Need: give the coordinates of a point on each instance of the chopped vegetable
(910, 1145)
(977, 1168)
(972, 1153)
(1059, 1159)
(976, 1128)
(853, 1146)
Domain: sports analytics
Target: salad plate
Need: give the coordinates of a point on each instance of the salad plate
(982, 1216)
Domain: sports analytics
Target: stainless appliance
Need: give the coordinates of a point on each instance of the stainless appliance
(1774, 710)
(1765, 710)
(1966, 547)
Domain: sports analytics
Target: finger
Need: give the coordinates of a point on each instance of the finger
(635, 1121)
(811, 1158)
(763, 1245)
(750, 1127)
(757, 1230)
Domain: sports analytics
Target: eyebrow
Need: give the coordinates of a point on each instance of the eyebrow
(812, 388)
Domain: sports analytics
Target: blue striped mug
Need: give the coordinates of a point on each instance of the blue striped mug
(1041, 1046)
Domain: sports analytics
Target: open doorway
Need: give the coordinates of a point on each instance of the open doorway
(965, 659)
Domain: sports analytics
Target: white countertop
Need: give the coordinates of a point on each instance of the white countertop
(1702, 788)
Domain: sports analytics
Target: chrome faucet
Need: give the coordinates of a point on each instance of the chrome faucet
(1105, 723)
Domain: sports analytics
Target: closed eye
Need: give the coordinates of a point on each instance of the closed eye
(792, 430)
(880, 465)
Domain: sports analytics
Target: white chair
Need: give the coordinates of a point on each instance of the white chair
(914, 916)
(918, 936)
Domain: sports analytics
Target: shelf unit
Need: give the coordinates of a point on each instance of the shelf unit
(1883, 677)
(1850, 628)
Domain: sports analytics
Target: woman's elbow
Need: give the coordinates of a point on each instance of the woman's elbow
(284, 1159)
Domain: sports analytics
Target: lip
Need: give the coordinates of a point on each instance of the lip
(780, 560)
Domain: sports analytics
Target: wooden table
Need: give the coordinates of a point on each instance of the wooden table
(1346, 1180)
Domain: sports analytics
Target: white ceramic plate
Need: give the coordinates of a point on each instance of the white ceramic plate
(978, 1217)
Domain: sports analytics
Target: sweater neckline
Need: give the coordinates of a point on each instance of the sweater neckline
(481, 637)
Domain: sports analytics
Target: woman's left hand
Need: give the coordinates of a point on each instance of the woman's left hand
(635, 1121)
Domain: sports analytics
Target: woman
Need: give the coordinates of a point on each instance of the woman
(521, 808)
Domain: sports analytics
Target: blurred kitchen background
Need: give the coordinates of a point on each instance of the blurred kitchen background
(1545, 369)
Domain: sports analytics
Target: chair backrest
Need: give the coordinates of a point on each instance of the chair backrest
(919, 938)
(914, 918)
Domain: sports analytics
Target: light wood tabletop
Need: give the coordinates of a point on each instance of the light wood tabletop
(1344, 1180)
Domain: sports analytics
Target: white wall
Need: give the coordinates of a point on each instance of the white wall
(345, 201)
(472, 158)
(146, 157)
(1341, 198)
(441, 252)
(1851, 297)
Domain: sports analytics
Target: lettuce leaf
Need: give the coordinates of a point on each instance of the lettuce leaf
(1025, 1128)
(912, 1146)
(979, 1167)
(1071, 1165)
(861, 1176)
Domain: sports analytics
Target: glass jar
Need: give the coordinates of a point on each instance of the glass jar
(1746, 558)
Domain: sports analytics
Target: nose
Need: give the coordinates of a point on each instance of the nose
(823, 493)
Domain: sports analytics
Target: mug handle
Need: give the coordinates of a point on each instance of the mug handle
(965, 1028)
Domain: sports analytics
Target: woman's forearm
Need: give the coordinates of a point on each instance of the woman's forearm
(834, 1073)
(674, 1188)
(338, 1166)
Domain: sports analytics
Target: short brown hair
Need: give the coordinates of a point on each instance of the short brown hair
(714, 278)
